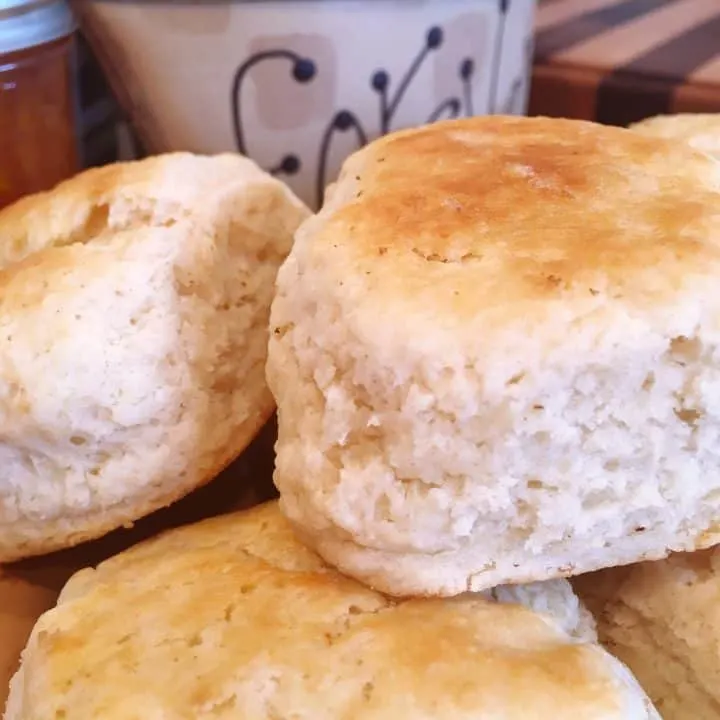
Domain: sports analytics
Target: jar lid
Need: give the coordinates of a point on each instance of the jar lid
(26, 23)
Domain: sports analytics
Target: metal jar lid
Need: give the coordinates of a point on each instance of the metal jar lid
(27, 23)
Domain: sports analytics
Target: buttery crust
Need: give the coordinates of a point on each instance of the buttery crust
(134, 302)
(663, 620)
(701, 131)
(494, 355)
(234, 618)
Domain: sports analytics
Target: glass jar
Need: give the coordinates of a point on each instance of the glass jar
(38, 142)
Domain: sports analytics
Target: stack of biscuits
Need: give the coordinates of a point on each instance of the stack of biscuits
(494, 354)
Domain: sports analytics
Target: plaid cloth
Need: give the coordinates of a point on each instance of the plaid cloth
(619, 61)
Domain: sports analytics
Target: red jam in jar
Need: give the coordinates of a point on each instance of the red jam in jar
(38, 138)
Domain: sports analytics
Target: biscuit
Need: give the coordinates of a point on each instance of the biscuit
(495, 356)
(234, 618)
(134, 303)
(663, 620)
(701, 131)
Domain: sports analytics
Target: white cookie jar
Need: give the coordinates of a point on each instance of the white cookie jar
(299, 84)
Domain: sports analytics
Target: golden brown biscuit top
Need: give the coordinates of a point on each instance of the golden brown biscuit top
(700, 130)
(499, 213)
(235, 618)
(158, 191)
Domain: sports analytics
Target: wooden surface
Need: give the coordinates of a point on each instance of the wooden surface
(29, 588)
(619, 61)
